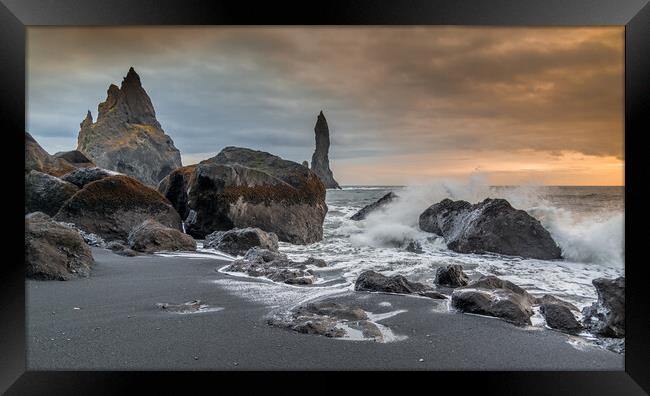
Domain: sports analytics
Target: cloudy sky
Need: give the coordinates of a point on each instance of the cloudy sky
(404, 105)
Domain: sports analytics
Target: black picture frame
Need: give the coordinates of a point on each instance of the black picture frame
(16, 15)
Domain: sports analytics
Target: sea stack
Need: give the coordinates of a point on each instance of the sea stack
(320, 163)
(127, 137)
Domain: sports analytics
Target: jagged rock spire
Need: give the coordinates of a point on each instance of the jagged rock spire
(320, 163)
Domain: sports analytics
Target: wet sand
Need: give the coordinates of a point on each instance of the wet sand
(118, 326)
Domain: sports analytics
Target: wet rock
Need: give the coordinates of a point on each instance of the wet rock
(46, 193)
(272, 265)
(492, 296)
(120, 248)
(320, 163)
(414, 247)
(549, 299)
(489, 226)
(82, 176)
(112, 206)
(606, 317)
(560, 317)
(380, 203)
(305, 164)
(54, 251)
(452, 276)
(376, 282)
(36, 158)
(127, 137)
(326, 318)
(150, 236)
(239, 240)
(316, 262)
(187, 307)
(242, 188)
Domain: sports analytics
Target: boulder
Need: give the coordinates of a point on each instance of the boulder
(75, 158)
(376, 282)
(82, 176)
(46, 193)
(242, 188)
(606, 317)
(560, 317)
(54, 251)
(451, 275)
(549, 299)
(239, 240)
(272, 265)
(490, 226)
(380, 203)
(36, 158)
(127, 137)
(492, 296)
(112, 206)
(316, 262)
(151, 236)
(320, 163)
(90, 238)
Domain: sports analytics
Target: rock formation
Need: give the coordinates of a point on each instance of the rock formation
(36, 158)
(76, 158)
(380, 203)
(320, 163)
(606, 317)
(82, 176)
(492, 296)
(54, 251)
(242, 188)
(489, 226)
(559, 317)
(451, 275)
(46, 193)
(239, 240)
(112, 206)
(126, 137)
(151, 236)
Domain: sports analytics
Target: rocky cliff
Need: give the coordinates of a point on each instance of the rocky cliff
(127, 137)
(320, 163)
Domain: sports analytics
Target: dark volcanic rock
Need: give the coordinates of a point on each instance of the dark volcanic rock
(76, 158)
(46, 193)
(489, 226)
(36, 158)
(549, 299)
(151, 236)
(451, 275)
(120, 248)
(54, 251)
(381, 202)
(606, 317)
(305, 164)
(126, 137)
(320, 163)
(492, 296)
(242, 188)
(376, 282)
(328, 319)
(239, 240)
(82, 176)
(560, 317)
(414, 247)
(112, 206)
(272, 265)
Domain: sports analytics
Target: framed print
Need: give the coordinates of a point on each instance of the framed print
(433, 187)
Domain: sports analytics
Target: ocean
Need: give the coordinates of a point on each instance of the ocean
(586, 222)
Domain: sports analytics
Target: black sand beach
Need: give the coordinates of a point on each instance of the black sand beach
(110, 322)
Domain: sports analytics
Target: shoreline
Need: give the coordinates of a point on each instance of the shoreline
(117, 326)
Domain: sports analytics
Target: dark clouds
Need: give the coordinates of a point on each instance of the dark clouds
(439, 92)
